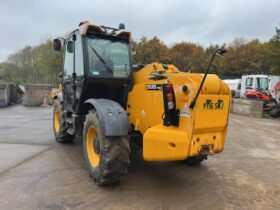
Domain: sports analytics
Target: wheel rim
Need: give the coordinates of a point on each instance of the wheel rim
(56, 120)
(94, 158)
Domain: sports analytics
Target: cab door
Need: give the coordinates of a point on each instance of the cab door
(73, 71)
(67, 80)
(250, 83)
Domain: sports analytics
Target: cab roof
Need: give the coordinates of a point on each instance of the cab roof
(87, 27)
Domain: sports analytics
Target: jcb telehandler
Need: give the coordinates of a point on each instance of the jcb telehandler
(169, 114)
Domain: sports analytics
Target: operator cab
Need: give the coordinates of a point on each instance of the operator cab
(97, 64)
(254, 82)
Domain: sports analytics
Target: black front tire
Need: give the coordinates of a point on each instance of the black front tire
(59, 124)
(113, 152)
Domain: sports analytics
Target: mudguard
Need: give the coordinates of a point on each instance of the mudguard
(113, 118)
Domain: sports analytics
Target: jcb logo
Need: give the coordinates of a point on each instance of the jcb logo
(210, 105)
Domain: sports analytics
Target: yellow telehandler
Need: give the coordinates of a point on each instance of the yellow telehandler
(118, 107)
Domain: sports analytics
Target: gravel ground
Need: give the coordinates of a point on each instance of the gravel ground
(38, 173)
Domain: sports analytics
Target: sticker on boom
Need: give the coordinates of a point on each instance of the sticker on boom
(153, 87)
(210, 105)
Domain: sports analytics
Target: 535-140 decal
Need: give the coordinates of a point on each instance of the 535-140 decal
(153, 87)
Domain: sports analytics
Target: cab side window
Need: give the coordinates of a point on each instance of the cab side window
(68, 59)
(69, 56)
(249, 82)
(79, 62)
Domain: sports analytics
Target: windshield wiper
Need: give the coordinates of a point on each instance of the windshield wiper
(108, 68)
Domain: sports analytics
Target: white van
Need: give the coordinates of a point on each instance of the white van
(235, 86)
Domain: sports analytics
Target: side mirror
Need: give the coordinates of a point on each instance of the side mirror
(57, 44)
(70, 46)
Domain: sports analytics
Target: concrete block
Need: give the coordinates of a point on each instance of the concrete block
(34, 94)
(247, 107)
(8, 94)
(4, 95)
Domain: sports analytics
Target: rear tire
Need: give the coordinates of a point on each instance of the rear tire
(59, 124)
(106, 157)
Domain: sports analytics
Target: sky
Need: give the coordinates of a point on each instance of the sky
(29, 22)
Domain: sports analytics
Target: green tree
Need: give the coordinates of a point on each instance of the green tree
(273, 52)
(150, 50)
(38, 64)
(244, 57)
(188, 56)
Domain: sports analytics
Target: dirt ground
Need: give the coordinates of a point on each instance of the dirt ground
(38, 173)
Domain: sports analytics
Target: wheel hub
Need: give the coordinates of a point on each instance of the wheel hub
(96, 146)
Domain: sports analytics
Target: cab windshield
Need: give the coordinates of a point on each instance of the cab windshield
(108, 58)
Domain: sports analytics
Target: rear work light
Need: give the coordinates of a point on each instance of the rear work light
(170, 97)
(171, 114)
